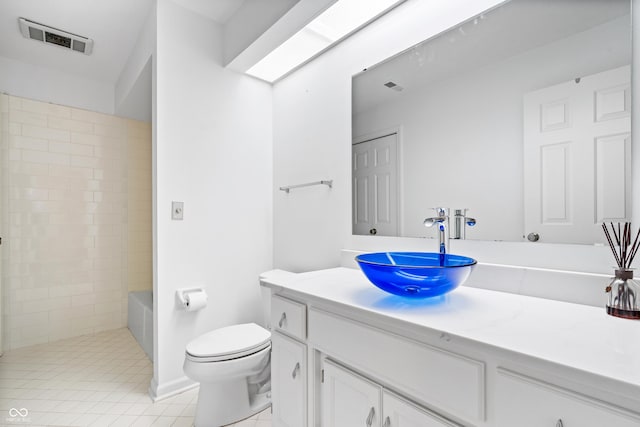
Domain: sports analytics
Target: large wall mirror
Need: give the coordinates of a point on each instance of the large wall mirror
(521, 115)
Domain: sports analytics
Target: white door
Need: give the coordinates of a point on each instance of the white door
(288, 381)
(349, 400)
(397, 412)
(375, 181)
(577, 157)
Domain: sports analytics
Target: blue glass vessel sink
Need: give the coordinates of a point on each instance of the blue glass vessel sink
(416, 274)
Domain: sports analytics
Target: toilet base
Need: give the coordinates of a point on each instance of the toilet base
(224, 403)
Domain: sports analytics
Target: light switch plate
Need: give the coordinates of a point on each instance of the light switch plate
(177, 210)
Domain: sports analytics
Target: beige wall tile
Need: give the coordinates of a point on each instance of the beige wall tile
(29, 168)
(86, 161)
(70, 125)
(109, 130)
(42, 107)
(69, 148)
(45, 157)
(79, 219)
(46, 133)
(28, 118)
(27, 143)
(15, 128)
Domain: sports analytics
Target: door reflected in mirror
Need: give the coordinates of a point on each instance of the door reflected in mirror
(521, 115)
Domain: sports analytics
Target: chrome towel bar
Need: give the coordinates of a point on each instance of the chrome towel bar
(327, 182)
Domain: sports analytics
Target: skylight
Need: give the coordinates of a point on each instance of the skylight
(335, 23)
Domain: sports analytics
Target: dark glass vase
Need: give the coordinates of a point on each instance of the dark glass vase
(623, 295)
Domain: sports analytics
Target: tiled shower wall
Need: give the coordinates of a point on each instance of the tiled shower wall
(77, 221)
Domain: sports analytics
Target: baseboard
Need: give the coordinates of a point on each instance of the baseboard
(164, 391)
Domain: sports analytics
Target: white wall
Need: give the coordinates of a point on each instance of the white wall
(464, 133)
(212, 151)
(49, 85)
(312, 130)
(132, 97)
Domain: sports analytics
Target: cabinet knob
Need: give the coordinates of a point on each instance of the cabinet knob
(559, 423)
(372, 413)
(283, 318)
(296, 369)
(387, 422)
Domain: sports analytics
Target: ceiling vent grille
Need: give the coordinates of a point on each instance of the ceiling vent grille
(46, 34)
(394, 86)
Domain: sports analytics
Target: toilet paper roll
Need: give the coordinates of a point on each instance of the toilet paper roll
(195, 300)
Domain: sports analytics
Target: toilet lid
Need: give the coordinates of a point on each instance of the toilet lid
(231, 341)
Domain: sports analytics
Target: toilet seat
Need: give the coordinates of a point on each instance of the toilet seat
(228, 343)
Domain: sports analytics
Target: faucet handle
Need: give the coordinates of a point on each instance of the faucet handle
(442, 212)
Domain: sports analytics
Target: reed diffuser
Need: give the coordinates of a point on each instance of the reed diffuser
(623, 290)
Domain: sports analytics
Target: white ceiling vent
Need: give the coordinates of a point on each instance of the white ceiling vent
(43, 33)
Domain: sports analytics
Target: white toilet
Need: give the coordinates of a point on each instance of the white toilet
(232, 365)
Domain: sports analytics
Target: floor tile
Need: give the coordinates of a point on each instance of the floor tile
(104, 420)
(93, 380)
(245, 423)
(100, 408)
(174, 410)
(183, 422)
(124, 421)
(156, 409)
(86, 420)
(144, 421)
(164, 421)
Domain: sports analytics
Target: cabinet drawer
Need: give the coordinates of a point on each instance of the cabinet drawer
(526, 402)
(448, 381)
(289, 317)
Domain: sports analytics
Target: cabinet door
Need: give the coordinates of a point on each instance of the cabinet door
(288, 381)
(349, 400)
(397, 412)
(525, 402)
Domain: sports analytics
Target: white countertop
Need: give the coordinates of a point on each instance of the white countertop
(573, 335)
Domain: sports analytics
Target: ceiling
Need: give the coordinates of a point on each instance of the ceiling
(218, 10)
(112, 24)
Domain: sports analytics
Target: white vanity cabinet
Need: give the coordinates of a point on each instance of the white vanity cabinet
(349, 399)
(288, 363)
(346, 356)
(527, 402)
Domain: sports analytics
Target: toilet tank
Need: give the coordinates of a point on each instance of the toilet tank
(265, 292)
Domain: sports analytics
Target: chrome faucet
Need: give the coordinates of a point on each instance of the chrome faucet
(442, 221)
(460, 223)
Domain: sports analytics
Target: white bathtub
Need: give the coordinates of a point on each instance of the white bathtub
(140, 321)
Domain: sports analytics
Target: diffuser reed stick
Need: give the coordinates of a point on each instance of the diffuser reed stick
(625, 248)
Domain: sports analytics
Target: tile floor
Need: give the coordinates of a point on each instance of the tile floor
(92, 380)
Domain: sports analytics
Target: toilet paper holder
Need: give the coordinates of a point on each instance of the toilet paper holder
(185, 298)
